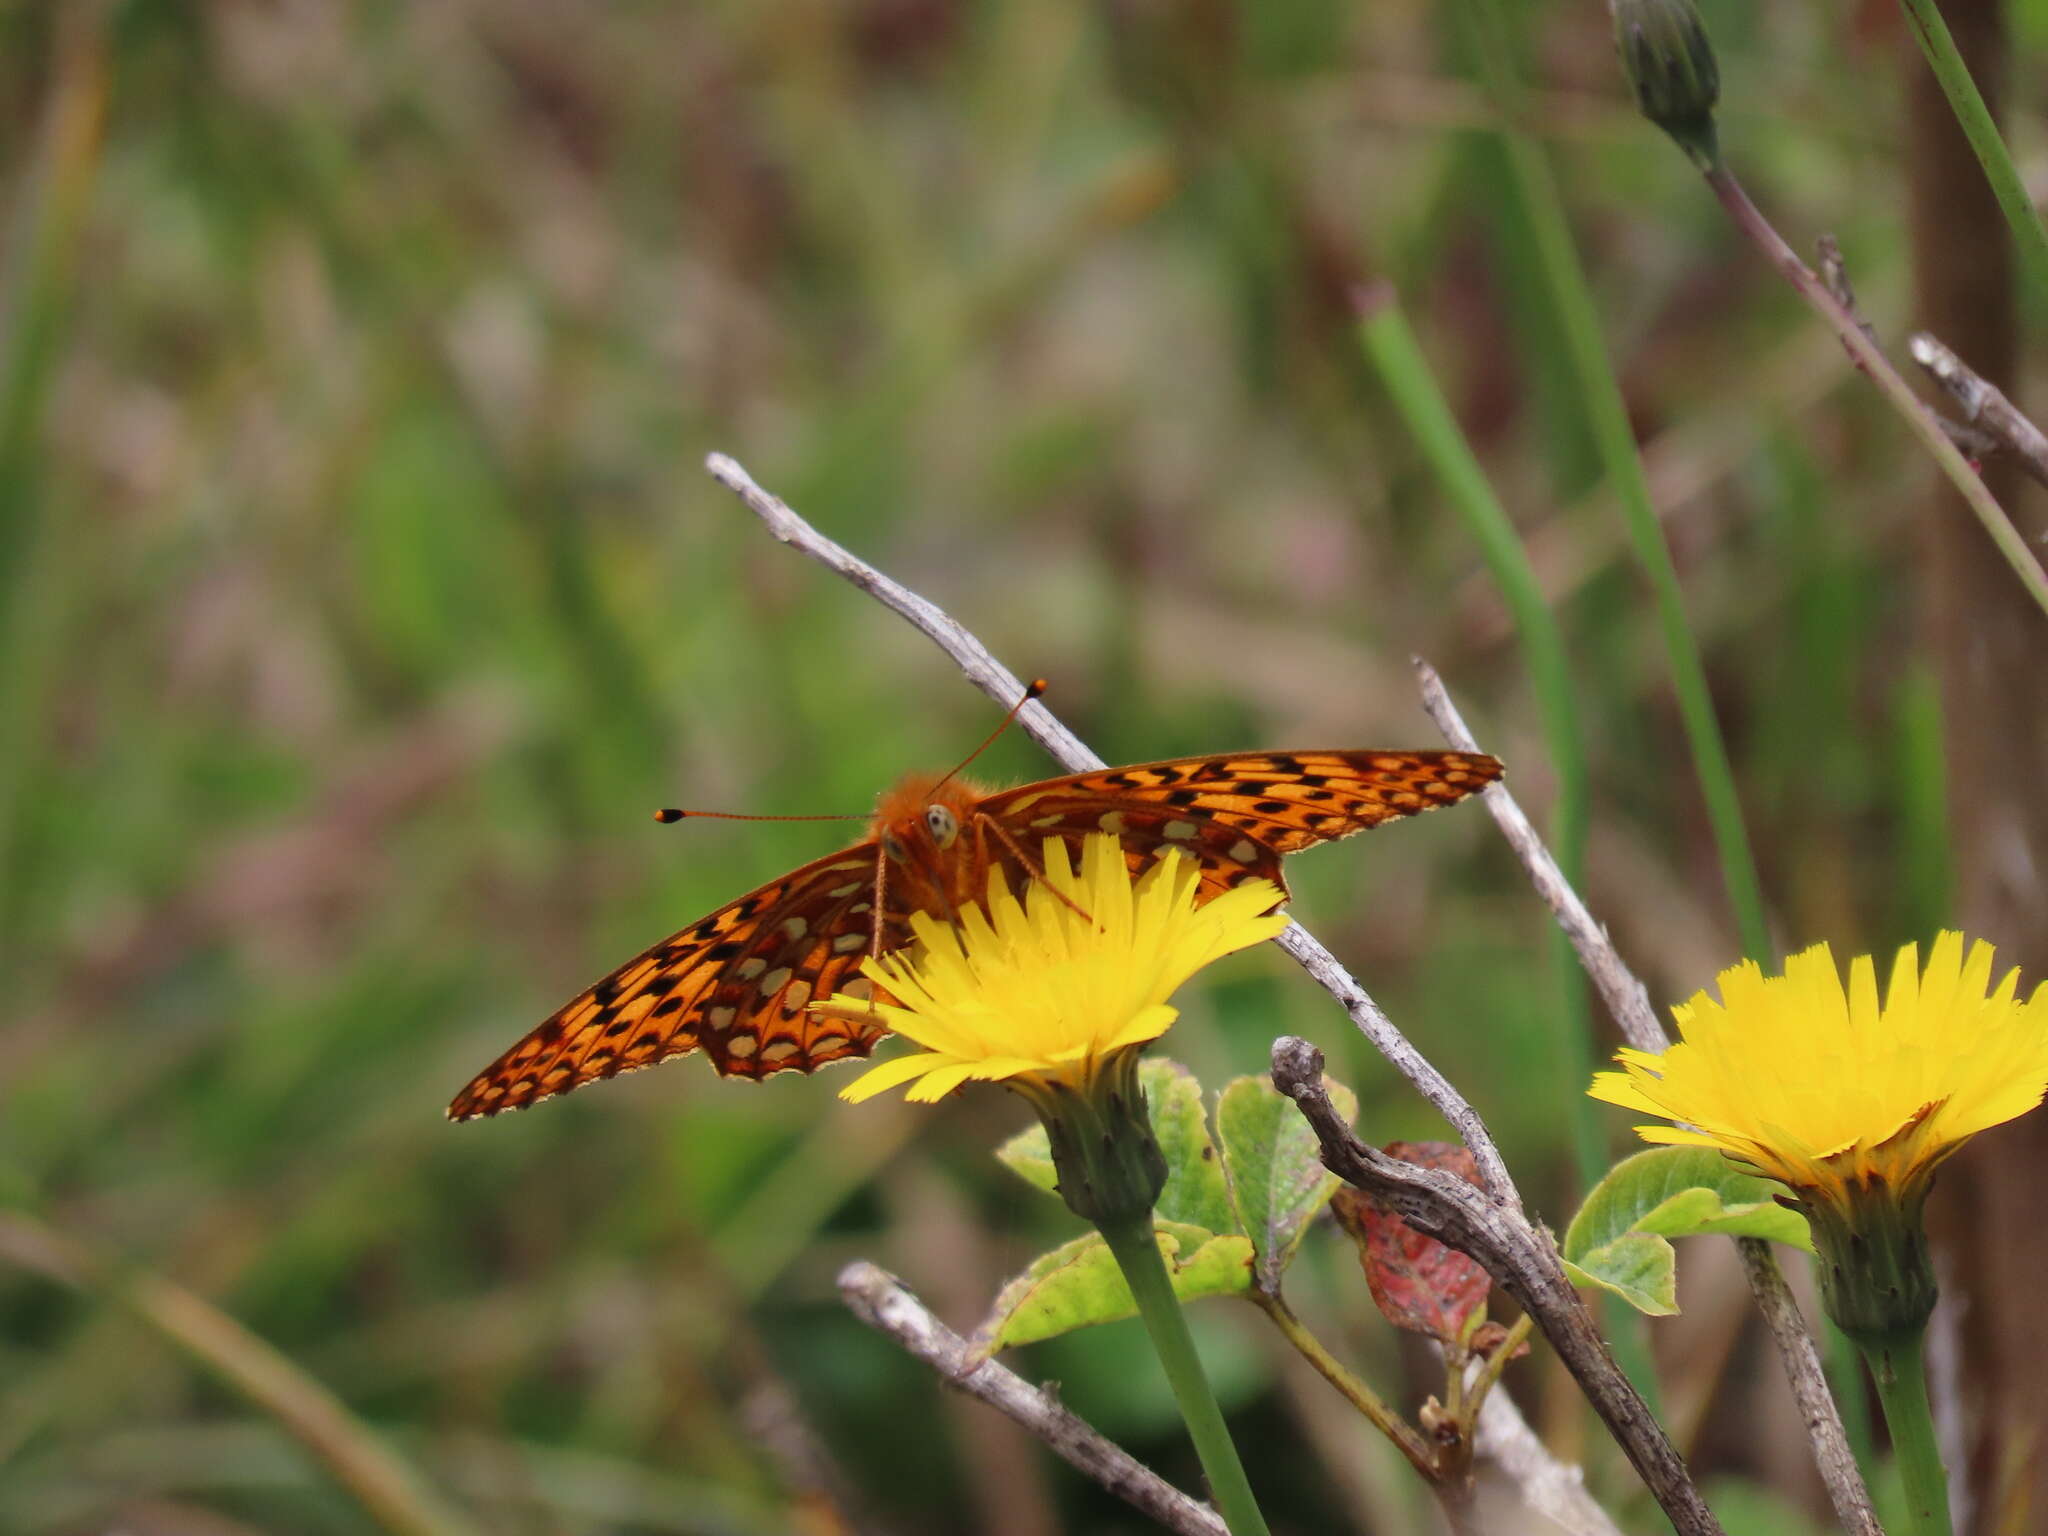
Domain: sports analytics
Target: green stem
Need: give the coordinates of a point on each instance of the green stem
(1895, 1364)
(1483, 1383)
(1136, 1251)
(1356, 1392)
(1974, 117)
(1607, 420)
(1923, 422)
(1404, 370)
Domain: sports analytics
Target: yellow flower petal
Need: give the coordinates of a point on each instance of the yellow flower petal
(1824, 1087)
(1049, 983)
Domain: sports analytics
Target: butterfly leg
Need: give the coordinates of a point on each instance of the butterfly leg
(984, 823)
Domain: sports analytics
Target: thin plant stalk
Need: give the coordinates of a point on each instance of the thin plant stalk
(1136, 1250)
(1362, 1397)
(387, 1488)
(1404, 370)
(1564, 277)
(1923, 422)
(1973, 116)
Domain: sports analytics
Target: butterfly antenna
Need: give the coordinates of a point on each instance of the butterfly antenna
(669, 813)
(1036, 690)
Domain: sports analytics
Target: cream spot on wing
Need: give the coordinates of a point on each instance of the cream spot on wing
(847, 889)
(798, 994)
(1181, 831)
(1244, 850)
(795, 927)
(775, 981)
(825, 1045)
(859, 988)
(847, 943)
(1048, 821)
(743, 1047)
(750, 967)
(720, 1019)
(1112, 822)
(780, 1050)
(859, 907)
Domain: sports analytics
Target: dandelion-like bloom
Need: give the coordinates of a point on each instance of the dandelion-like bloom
(1055, 996)
(1850, 1102)
(1053, 987)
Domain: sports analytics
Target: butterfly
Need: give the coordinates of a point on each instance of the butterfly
(739, 983)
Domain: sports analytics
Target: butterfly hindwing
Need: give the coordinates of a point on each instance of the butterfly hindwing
(668, 1000)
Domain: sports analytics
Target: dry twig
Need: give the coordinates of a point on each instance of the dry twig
(1552, 1488)
(1000, 684)
(878, 1299)
(996, 680)
(1520, 1256)
(1629, 1001)
(1626, 997)
(1985, 404)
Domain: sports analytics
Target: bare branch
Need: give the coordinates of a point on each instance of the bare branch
(1629, 1002)
(880, 1300)
(1985, 404)
(1002, 685)
(1834, 272)
(1521, 1257)
(1552, 1488)
(1834, 276)
(1625, 996)
(1809, 1388)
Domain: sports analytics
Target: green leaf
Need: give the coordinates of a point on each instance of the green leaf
(1276, 1176)
(1195, 1192)
(1078, 1284)
(1618, 1240)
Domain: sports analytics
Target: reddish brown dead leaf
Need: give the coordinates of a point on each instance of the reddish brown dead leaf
(1420, 1284)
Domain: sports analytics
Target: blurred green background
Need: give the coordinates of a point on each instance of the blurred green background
(363, 592)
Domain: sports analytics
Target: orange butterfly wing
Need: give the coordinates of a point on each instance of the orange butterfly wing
(1238, 813)
(736, 985)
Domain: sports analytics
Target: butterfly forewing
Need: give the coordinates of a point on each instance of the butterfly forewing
(1237, 814)
(735, 984)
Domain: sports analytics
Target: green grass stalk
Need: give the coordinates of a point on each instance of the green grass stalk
(1404, 370)
(1564, 278)
(379, 1480)
(1974, 118)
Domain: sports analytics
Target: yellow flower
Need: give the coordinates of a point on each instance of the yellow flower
(1051, 987)
(1833, 1093)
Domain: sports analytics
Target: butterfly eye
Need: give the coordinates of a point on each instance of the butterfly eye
(943, 825)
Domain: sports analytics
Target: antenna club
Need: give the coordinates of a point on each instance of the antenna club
(1036, 690)
(668, 814)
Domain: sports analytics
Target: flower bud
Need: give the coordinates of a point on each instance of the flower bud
(1110, 1167)
(1671, 72)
